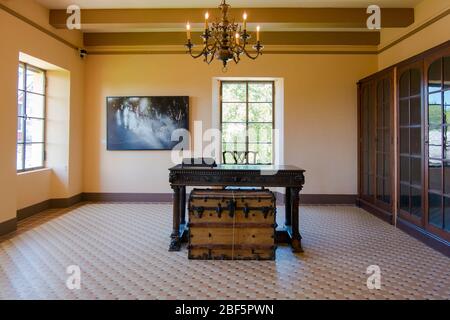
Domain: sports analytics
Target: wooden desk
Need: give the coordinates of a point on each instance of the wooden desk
(289, 177)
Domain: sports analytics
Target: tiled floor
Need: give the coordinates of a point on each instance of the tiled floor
(121, 250)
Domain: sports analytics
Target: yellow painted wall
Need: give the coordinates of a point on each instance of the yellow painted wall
(429, 37)
(320, 107)
(320, 114)
(18, 36)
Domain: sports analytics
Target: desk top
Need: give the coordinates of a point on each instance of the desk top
(234, 167)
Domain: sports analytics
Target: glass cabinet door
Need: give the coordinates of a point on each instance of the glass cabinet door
(383, 141)
(410, 145)
(367, 141)
(438, 138)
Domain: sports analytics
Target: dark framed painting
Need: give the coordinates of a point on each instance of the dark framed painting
(145, 123)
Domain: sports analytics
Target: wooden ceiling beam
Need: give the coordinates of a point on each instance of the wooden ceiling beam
(267, 38)
(304, 17)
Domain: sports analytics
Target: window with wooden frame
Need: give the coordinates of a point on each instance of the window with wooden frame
(247, 122)
(30, 118)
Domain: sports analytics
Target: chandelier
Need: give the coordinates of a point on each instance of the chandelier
(224, 40)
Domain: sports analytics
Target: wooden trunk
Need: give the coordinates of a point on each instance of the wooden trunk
(232, 224)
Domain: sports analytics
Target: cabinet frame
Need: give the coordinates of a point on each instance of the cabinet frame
(372, 203)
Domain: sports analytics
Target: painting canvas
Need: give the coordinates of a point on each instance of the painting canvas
(145, 123)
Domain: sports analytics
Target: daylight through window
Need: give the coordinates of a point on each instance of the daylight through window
(31, 118)
(247, 122)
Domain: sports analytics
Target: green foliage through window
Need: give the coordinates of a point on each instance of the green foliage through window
(247, 120)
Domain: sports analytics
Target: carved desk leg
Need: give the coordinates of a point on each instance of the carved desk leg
(296, 237)
(183, 204)
(175, 243)
(287, 207)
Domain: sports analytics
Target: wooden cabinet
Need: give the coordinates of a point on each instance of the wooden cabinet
(376, 105)
(407, 181)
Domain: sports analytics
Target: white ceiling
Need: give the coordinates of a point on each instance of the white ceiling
(113, 4)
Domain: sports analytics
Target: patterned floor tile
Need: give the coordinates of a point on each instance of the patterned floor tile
(121, 249)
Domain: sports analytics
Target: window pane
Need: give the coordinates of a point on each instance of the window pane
(435, 175)
(387, 166)
(260, 132)
(404, 169)
(404, 141)
(404, 85)
(20, 77)
(19, 164)
(434, 76)
(435, 136)
(416, 171)
(387, 191)
(233, 112)
(233, 133)
(404, 197)
(435, 108)
(387, 91)
(380, 161)
(435, 152)
(387, 140)
(416, 109)
(233, 146)
(404, 112)
(447, 214)
(20, 132)
(446, 73)
(435, 210)
(380, 186)
(35, 80)
(34, 130)
(387, 115)
(447, 177)
(416, 202)
(34, 155)
(234, 92)
(263, 152)
(35, 105)
(415, 82)
(416, 141)
(380, 104)
(447, 142)
(20, 103)
(447, 106)
(260, 92)
(260, 112)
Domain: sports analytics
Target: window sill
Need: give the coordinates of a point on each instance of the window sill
(33, 171)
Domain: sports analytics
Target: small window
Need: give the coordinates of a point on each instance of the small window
(247, 113)
(30, 118)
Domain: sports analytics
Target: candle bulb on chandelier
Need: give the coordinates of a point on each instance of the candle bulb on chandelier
(206, 20)
(257, 33)
(245, 20)
(237, 38)
(188, 31)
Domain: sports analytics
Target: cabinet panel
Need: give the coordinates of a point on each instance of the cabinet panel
(410, 144)
(376, 140)
(437, 69)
